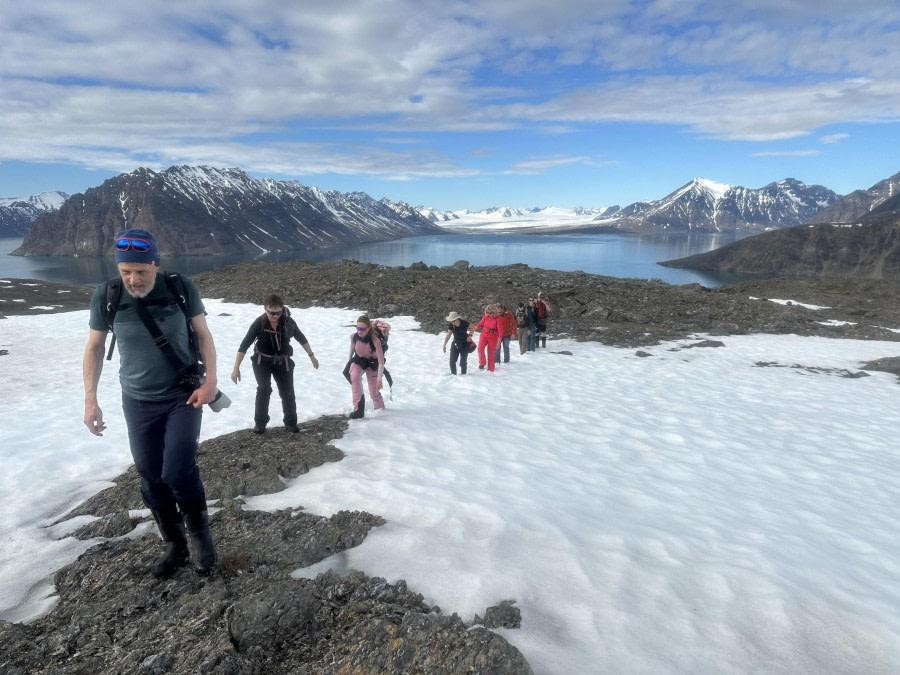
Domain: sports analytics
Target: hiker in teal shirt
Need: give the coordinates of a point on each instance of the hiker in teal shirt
(161, 402)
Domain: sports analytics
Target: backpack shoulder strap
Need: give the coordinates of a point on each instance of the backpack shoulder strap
(175, 285)
(108, 311)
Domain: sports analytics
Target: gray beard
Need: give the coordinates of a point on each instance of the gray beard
(142, 294)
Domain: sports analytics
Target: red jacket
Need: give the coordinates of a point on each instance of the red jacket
(509, 323)
(491, 326)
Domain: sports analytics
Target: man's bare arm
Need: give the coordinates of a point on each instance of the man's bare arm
(91, 367)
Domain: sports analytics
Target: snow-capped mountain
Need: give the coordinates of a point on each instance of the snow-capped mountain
(208, 211)
(538, 219)
(436, 216)
(857, 239)
(858, 203)
(17, 213)
(701, 205)
(707, 206)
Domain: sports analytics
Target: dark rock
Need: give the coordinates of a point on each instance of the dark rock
(621, 312)
(888, 364)
(250, 616)
(704, 343)
(504, 615)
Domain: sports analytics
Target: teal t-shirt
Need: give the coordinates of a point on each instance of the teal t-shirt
(144, 371)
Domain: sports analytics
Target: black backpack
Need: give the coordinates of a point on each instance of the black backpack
(176, 287)
(282, 325)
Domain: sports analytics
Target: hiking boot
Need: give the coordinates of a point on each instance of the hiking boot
(360, 411)
(171, 529)
(480, 367)
(200, 543)
(259, 429)
(292, 428)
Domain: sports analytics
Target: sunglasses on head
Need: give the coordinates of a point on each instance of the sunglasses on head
(139, 245)
(278, 313)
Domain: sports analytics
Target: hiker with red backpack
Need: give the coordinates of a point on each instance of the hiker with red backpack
(366, 356)
(531, 323)
(271, 334)
(509, 329)
(541, 316)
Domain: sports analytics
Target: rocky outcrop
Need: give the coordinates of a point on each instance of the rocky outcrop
(850, 250)
(207, 211)
(251, 616)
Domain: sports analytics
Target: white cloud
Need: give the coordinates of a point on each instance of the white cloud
(541, 165)
(82, 84)
(833, 138)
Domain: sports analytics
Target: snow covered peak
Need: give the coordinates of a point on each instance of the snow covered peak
(45, 201)
(715, 189)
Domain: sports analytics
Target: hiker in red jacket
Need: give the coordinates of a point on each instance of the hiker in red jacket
(509, 330)
(491, 326)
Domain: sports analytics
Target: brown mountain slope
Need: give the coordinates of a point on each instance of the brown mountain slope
(860, 250)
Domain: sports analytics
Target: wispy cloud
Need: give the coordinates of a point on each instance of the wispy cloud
(540, 165)
(831, 139)
(787, 153)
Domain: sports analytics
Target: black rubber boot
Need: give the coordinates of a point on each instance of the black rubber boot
(200, 543)
(171, 529)
(360, 411)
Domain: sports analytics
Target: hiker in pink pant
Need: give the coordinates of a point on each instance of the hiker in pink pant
(491, 326)
(366, 356)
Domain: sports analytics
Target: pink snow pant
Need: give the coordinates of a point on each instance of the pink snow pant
(356, 374)
(489, 342)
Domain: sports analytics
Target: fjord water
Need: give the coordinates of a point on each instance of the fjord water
(616, 255)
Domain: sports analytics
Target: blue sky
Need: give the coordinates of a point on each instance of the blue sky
(454, 104)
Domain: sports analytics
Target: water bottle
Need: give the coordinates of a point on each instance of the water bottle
(220, 402)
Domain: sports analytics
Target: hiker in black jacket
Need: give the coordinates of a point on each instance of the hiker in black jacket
(272, 353)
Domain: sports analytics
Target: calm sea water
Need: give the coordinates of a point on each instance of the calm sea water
(617, 255)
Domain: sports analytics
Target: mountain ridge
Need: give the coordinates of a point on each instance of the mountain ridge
(700, 205)
(208, 211)
(867, 246)
(17, 213)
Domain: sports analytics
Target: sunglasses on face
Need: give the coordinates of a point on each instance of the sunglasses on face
(278, 313)
(139, 245)
(362, 329)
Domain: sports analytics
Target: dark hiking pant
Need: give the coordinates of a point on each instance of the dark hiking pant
(264, 373)
(163, 437)
(504, 343)
(458, 353)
